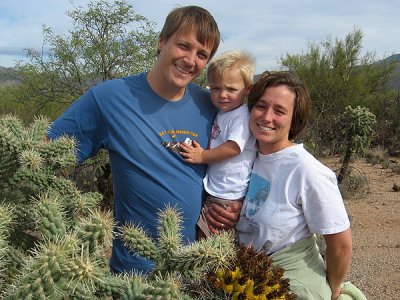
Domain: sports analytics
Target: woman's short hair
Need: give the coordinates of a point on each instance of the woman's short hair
(302, 103)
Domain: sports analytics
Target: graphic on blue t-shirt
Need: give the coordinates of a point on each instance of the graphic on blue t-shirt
(257, 194)
(176, 146)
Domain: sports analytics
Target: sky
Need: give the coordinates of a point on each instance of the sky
(269, 29)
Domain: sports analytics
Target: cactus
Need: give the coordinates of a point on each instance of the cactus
(5, 221)
(252, 276)
(171, 256)
(42, 272)
(55, 240)
(50, 216)
(95, 231)
(357, 125)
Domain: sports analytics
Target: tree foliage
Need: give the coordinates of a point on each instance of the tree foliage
(386, 107)
(107, 41)
(337, 76)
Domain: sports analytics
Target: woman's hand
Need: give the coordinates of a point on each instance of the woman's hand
(335, 294)
(223, 218)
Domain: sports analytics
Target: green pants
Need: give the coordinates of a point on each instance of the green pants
(305, 269)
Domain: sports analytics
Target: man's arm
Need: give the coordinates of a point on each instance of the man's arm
(338, 256)
(195, 154)
(220, 218)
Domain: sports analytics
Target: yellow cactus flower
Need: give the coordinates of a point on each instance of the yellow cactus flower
(228, 288)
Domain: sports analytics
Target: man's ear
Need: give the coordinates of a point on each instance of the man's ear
(159, 45)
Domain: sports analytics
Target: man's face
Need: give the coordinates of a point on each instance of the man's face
(181, 59)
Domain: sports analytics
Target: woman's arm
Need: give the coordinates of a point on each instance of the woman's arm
(197, 155)
(338, 256)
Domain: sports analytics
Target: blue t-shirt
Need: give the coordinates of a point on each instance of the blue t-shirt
(134, 124)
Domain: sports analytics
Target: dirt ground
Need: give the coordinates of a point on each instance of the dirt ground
(375, 217)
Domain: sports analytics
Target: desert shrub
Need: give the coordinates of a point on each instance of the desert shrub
(395, 168)
(387, 164)
(353, 184)
(379, 153)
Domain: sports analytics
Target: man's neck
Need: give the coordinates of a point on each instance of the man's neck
(163, 90)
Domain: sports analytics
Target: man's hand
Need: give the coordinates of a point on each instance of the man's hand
(192, 153)
(223, 218)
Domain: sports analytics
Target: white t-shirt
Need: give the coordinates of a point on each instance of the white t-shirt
(229, 178)
(291, 196)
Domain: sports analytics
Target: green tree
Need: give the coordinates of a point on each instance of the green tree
(107, 41)
(337, 76)
(386, 107)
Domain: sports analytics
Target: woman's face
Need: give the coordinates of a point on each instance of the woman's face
(271, 118)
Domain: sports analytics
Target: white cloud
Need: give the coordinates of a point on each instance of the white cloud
(267, 28)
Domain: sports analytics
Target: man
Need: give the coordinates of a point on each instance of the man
(141, 119)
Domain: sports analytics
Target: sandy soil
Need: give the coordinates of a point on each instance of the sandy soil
(375, 217)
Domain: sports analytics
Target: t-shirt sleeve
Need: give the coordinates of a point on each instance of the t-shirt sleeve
(323, 204)
(239, 130)
(83, 121)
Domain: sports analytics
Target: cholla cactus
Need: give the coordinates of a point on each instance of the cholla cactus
(170, 256)
(28, 160)
(5, 221)
(357, 126)
(52, 245)
(55, 240)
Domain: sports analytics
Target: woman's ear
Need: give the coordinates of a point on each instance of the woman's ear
(248, 88)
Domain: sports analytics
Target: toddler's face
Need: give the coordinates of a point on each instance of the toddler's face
(228, 90)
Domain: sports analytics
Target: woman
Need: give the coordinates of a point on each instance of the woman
(292, 196)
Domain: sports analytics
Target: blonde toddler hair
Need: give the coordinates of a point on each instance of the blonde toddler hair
(244, 61)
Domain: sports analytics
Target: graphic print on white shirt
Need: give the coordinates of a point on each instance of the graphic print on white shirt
(257, 194)
(215, 131)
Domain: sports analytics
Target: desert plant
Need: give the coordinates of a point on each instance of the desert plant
(378, 153)
(357, 126)
(55, 239)
(168, 253)
(396, 168)
(252, 276)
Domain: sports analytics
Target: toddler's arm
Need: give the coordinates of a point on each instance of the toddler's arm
(195, 154)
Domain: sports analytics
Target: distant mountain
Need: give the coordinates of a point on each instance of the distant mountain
(8, 76)
(394, 57)
(394, 82)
